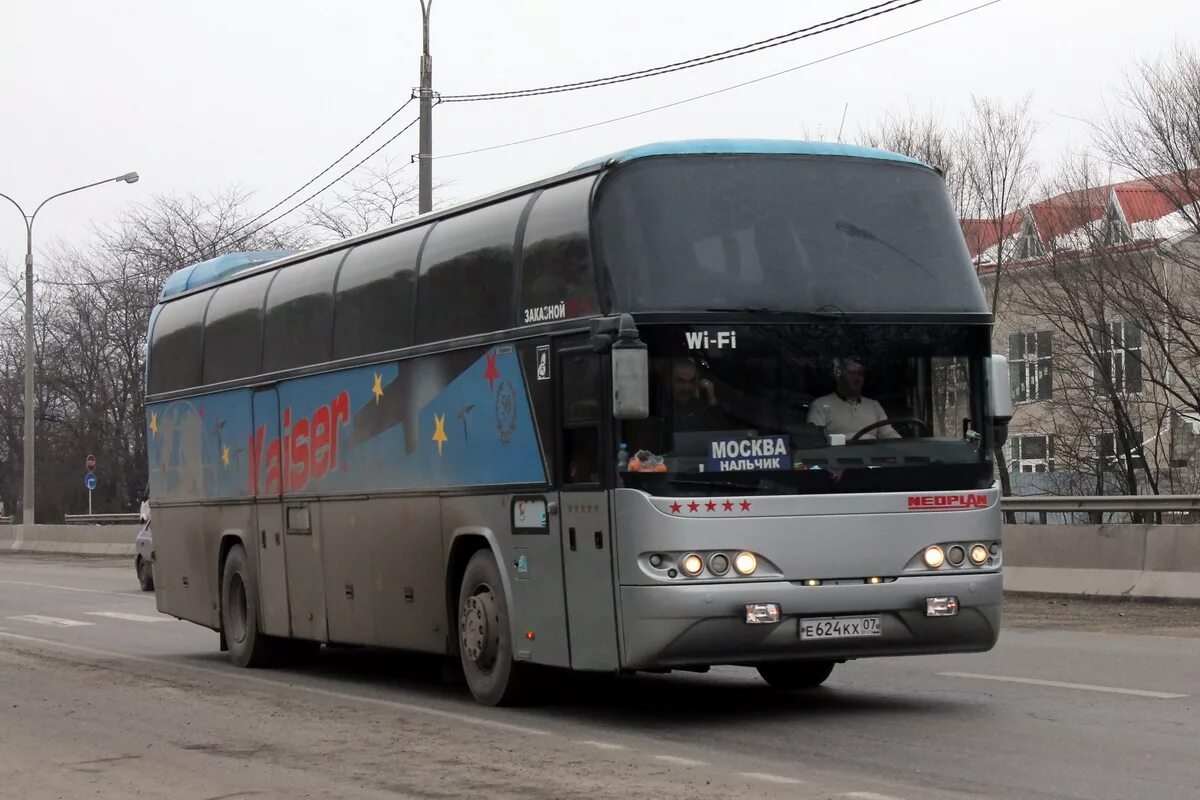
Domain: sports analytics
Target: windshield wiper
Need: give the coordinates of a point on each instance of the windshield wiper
(850, 229)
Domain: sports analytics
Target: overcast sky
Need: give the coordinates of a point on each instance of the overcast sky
(262, 94)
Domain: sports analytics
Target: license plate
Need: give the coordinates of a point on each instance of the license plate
(839, 627)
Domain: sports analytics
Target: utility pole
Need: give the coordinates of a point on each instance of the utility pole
(425, 147)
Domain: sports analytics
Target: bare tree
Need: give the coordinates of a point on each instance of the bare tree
(377, 197)
(92, 312)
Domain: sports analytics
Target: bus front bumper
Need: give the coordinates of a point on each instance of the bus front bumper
(701, 624)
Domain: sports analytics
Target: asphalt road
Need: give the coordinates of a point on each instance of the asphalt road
(102, 697)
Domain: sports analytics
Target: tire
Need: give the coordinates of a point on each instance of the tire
(248, 646)
(145, 573)
(485, 636)
(792, 675)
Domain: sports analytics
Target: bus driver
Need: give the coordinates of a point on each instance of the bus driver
(846, 411)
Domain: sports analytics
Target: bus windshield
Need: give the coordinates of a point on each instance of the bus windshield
(811, 408)
(782, 233)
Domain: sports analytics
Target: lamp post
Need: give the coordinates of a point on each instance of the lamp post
(27, 467)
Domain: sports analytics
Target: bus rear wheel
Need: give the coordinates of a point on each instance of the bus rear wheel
(791, 675)
(485, 636)
(248, 646)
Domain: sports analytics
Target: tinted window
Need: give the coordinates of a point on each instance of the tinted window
(233, 330)
(783, 233)
(557, 280)
(175, 351)
(467, 273)
(375, 294)
(300, 314)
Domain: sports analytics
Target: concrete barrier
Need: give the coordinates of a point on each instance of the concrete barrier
(1144, 561)
(92, 540)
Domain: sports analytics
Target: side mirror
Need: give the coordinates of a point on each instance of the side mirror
(630, 373)
(999, 398)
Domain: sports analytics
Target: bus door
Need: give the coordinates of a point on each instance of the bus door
(268, 514)
(586, 530)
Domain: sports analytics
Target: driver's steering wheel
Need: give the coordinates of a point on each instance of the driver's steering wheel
(898, 421)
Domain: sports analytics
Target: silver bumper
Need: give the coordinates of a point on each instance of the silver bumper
(686, 625)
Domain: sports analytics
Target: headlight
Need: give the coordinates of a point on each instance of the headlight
(692, 564)
(979, 554)
(719, 564)
(956, 555)
(745, 563)
(934, 556)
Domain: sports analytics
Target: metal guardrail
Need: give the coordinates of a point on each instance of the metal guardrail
(1132, 503)
(103, 519)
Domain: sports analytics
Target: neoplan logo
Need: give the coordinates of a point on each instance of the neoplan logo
(946, 502)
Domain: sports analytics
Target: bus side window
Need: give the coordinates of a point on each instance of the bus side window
(581, 407)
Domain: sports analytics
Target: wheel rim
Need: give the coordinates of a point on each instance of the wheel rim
(479, 628)
(237, 609)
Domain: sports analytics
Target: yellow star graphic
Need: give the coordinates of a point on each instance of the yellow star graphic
(377, 389)
(439, 434)
(225, 455)
(154, 422)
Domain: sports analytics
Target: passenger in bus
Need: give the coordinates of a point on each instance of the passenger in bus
(695, 399)
(846, 411)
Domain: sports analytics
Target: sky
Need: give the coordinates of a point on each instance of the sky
(263, 94)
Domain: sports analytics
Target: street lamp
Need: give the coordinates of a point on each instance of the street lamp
(27, 498)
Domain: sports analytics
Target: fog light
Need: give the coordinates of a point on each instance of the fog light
(745, 563)
(956, 555)
(934, 556)
(692, 564)
(719, 564)
(762, 613)
(941, 606)
(812, 582)
(874, 580)
(979, 554)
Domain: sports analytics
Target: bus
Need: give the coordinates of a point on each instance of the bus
(697, 403)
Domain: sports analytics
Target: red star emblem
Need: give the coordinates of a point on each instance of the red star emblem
(676, 508)
(710, 506)
(727, 505)
(745, 505)
(491, 373)
(693, 506)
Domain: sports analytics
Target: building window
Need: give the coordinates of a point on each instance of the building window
(1031, 453)
(1119, 348)
(1113, 453)
(1030, 365)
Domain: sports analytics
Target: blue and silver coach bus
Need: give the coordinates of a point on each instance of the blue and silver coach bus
(695, 403)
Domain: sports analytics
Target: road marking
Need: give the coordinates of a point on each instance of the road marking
(683, 762)
(602, 745)
(243, 678)
(1087, 687)
(763, 776)
(128, 617)
(57, 622)
(68, 588)
(869, 796)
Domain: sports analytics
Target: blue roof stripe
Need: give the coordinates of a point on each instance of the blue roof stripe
(750, 146)
(213, 270)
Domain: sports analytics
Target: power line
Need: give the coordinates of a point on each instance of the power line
(229, 236)
(714, 92)
(845, 20)
(332, 164)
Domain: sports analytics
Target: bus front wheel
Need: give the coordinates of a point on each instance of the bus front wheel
(248, 646)
(485, 636)
(790, 675)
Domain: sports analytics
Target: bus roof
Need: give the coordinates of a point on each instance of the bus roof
(226, 267)
(749, 146)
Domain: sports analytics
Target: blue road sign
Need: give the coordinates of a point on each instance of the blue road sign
(90, 482)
